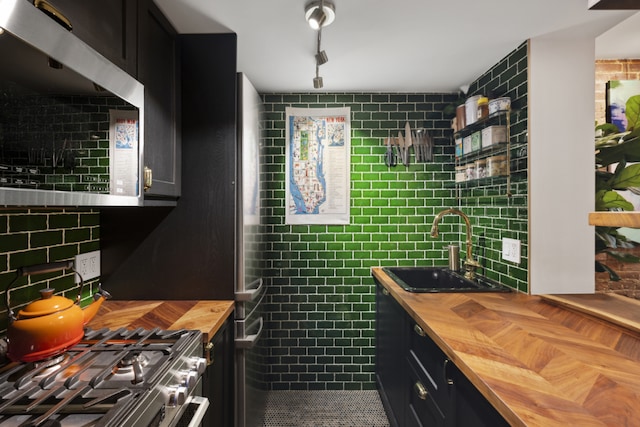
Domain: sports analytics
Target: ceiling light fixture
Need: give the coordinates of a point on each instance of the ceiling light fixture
(321, 57)
(319, 14)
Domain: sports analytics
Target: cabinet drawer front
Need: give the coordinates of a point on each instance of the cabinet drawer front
(432, 380)
(427, 357)
(423, 409)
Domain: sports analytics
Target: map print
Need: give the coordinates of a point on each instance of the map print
(318, 168)
(126, 133)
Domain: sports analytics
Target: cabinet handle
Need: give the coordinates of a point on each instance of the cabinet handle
(385, 291)
(421, 390)
(208, 353)
(53, 13)
(148, 178)
(418, 330)
(445, 365)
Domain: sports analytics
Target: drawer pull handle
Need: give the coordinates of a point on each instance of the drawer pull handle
(421, 390)
(445, 368)
(418, 330)
(385, 292)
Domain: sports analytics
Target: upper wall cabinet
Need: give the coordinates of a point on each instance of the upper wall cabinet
(108, 26)
(158, 70)
(71, 129)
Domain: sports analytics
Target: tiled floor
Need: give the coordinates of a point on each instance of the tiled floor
(325, 409)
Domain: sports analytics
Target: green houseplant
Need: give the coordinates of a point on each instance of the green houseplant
(617, 169)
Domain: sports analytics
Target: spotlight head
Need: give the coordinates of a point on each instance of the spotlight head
(321, 57)
(317, 18)
(319, 13)
(317, 82)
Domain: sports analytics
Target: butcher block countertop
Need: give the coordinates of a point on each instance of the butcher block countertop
(539, 362)
(206, 316)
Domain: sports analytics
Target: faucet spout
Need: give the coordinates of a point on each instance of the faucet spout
(470, 263)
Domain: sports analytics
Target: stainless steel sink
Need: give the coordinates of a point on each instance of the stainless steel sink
(439, 279)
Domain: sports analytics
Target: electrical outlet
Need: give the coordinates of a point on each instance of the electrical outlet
(88, 265)
(511, 250)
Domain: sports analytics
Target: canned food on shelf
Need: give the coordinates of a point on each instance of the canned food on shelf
(497, 166)
(481, 168)
(461, 174)
(470, 171)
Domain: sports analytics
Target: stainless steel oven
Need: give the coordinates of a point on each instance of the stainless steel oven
(116, 378)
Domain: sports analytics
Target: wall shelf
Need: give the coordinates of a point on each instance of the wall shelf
(615, 219)
(501, 148)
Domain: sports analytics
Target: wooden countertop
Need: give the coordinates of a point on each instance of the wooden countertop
(539, 364)
(206, 316)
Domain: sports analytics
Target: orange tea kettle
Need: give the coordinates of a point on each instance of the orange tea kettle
(50, 325)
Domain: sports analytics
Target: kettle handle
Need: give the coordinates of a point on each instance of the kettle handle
(41, 269)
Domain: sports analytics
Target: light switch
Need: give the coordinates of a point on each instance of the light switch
(511, 250)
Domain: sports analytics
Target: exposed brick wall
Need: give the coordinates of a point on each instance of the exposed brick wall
(612, 69)
(629, 284)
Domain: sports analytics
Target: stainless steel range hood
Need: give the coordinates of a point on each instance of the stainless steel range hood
(84, 71)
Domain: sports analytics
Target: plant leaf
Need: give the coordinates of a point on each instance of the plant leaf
(607, 200)
(632, 111)
(628, 150)
(612, 274)
(627, 177)
(607, 129)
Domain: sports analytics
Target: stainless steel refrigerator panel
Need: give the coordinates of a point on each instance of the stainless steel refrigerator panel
(251, 350)
(250, 362)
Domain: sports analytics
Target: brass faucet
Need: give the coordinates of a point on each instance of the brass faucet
(470, 264)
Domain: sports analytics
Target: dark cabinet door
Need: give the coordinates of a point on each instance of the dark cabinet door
(108, 26)
(471, 408)
(391, 364)
(159, 72)
(217, 381)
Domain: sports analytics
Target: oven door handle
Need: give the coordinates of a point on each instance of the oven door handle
(248, 341)
(198, 415)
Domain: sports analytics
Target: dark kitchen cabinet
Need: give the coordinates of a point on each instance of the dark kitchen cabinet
(471, 407)
(419, 385)
(159, 72)
(108, 26)
(391, 345)
(186, 251)
(217, 381)
(430, 387)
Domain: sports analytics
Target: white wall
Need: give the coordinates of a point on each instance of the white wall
(561, 164)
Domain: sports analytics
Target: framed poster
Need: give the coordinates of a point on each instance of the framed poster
(618, 92)
(318, 164)
(123, 153)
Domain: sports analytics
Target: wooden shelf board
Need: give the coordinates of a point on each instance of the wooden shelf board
(615, 219)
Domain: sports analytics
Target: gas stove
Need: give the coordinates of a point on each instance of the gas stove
(120, 378)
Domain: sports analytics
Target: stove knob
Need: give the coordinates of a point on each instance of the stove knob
(189, 379)
(177, 396)
(199, 365)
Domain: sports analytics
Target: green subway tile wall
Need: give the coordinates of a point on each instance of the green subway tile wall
(321, 294)
(496, 216)
(36, 236)
(56, 142)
